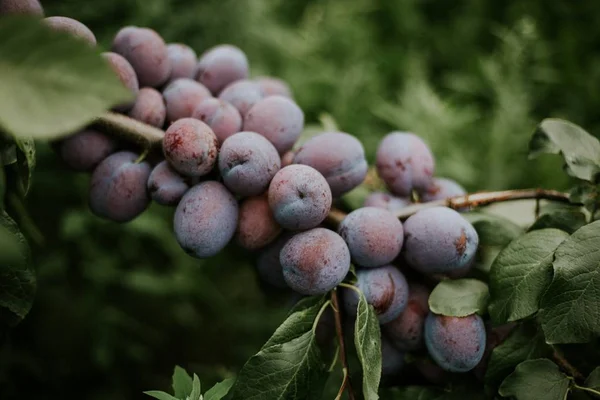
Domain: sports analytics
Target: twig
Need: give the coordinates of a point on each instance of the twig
(346, 384)
(470, 200)
(123, 127)
(560, 359)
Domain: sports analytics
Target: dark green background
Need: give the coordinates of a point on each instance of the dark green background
(119, 305)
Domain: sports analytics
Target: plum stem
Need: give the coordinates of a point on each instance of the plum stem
(346, 384)
(478, 199)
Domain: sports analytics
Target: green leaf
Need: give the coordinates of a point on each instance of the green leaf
(534, 380)
(585, 193)
(2, 184)
(593, 379)
(493, 230)
(289, 365)
(157, 394)
(570, 308)
(521, 273)
(182, 383)
(367, 339)
(17, 277)
(220, 390)
(580, 150)
(524, 343)
(195, 394)
(459, 298)
(25, 161)
(51, 84)
(567, 220)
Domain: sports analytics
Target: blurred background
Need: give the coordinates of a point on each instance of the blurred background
(119, 305)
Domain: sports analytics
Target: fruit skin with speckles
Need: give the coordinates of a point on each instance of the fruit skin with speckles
(386, 201)
(340, 157)
(72, 27)
(146, 51)
(223, 118)
(299, 197)
(277, 118)
(442, 188)
(205, 219)
(405, 163)
(191, 147)
(165, 185)
(456, 344)
(242, 94)
(83, 151)
(374, 236)
(221, 65)
(149, 108)
(315, 261)
(118, 187)
(406, 331)
(21, 7)
(256, 225)
(385, 288)
(248, 162)
(182, 97)
(439, 240)
(268, 263)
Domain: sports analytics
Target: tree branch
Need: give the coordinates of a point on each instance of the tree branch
(560, 359)
(470, 200)
(346, 384)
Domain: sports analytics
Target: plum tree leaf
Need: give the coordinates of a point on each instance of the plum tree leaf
(493, 230)
(567, 220)
(524, 343)
(570, 308)
(534, 380)
(51, 84)
(195, 394)
(593, 379)
(585, 193)
(459, 298)
(17, 277)
(289, 365)
(367, 339)
(182, 383)
(220, 390)
(157, 394)
(521, 273)
(580, 150)
(25, 161)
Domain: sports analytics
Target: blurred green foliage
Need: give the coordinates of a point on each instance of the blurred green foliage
(119, 305)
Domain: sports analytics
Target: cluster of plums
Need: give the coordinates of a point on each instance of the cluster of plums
(230, 168)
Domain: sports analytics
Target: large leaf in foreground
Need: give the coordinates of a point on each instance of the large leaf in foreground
(289, 366)
(534, 380)
(570, 308)
(521, 273)
(51, 84)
